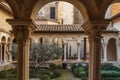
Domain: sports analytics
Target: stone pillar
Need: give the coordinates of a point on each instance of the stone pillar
(50, 40)
(22, 31)
(68, 52)
(94, 30)
(78, 50)
(9, 51)
(65, 56)
(0, 52)
(85, 49)
(3, 52)
(117, 47)
(105, 51)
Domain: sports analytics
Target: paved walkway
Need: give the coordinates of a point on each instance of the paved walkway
(67, 75)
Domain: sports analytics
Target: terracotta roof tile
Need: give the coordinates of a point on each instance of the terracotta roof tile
(67, 28)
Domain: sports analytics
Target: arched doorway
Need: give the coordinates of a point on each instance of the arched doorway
(112, 50)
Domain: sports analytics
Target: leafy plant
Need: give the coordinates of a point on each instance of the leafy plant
(14, 51)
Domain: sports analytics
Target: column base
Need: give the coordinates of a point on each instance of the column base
(105, 60)
(78, 60)
(64, 60)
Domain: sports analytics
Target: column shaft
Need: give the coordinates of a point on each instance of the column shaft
(105, 51)
(0, 52)
(23, 61)
(85, 49)
(117, 46)
(95, 59)
(65, 46)
(78, 48)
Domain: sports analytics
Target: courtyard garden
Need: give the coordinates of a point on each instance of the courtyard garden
(46, 64)
(55, 72)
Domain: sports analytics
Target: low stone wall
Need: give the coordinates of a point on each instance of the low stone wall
(6, 66)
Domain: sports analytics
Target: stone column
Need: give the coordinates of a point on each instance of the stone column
(78, 50)
(0, 52)
(3, 52)
(105, 51)
(9, 51)
(68, 52)
(22, 31)
(50, 40)
(65, 46)
(85, 49)
(117, 47)
(94, 30)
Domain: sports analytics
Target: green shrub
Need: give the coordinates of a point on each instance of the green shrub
(108, 66)
(110, 73)
(56, 73)
(117, 78)
(79, 72)
(54, 66)
(109, 78)
(44, 77)
(44, 72)
(74, 66)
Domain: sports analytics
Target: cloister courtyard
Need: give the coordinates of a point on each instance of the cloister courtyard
(59, 40)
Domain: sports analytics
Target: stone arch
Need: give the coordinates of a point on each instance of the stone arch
(9, 40)
(7, 7)
(58, 40)
(110, 12)
(111, 50)
(75, 3)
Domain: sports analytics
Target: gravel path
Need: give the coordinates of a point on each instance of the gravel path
(67, 75)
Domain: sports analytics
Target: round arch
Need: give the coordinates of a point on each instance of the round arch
(6, 6)
(58, 40)
(112, 10)
(9, 40)
(3, 39)
(75, 3)
(111, 50)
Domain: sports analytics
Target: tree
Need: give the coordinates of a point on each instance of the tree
(41, 53)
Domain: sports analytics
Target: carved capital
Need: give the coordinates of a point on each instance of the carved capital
(22, 29)
(21, 33)
(95, 28)
(65, 44)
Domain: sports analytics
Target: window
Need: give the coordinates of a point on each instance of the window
(52, 12)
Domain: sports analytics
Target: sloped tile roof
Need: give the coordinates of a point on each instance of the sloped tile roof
(67, 28)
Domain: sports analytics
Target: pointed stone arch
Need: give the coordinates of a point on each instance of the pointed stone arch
(39, 4)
